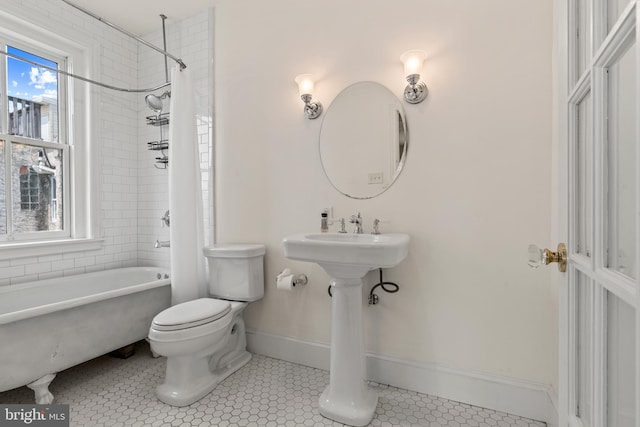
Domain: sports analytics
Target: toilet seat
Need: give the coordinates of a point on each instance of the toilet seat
(191, 314)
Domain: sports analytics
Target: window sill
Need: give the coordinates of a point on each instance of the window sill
(15, 250)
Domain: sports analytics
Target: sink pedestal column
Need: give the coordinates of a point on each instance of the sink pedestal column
(347, 398)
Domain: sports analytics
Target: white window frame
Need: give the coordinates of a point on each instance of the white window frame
(64, 107)
(81, 218)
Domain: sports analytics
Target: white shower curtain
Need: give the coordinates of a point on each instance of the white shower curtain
(188, 277)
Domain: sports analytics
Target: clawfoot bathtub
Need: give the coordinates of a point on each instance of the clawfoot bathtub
(51, 325)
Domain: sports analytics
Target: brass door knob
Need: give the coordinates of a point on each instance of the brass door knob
(538, 256)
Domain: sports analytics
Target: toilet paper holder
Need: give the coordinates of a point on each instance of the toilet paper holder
(296, 279)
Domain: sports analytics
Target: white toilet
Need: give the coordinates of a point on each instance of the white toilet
(204, 339)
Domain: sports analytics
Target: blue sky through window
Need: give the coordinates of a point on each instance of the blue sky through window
(28, 81)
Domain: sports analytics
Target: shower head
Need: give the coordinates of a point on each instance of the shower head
(154, 102)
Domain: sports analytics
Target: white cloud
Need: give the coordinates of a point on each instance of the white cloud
(40, 78)
(14, 83)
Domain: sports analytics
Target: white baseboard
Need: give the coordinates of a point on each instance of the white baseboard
(522, 398)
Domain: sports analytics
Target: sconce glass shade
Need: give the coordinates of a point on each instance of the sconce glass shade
(305, 84)
(413, 61)
(312, 110)
(416, 91)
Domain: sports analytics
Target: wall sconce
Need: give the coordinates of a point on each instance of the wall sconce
(416, 91)
(305, 82)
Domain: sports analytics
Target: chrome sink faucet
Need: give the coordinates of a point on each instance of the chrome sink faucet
(357, 220)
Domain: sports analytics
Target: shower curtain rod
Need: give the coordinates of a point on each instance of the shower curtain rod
(75, 76)
(104, 85)
(127, 33)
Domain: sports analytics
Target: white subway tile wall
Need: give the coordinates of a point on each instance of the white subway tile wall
(133, 194)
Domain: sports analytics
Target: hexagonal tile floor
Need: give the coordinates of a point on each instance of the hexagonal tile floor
(266, 392)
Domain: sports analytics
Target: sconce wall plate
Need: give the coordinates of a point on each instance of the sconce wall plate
(415, 93)
(312, 110)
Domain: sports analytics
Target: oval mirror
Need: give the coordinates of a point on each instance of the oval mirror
(363, 140)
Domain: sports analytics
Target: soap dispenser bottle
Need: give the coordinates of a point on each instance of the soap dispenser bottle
(324, 221)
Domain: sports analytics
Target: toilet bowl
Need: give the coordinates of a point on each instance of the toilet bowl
(195, 345)
(191, 328)
(204, 339)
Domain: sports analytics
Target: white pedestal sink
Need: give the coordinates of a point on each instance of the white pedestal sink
(347, 258)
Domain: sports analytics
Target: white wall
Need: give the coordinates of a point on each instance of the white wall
(474, 193)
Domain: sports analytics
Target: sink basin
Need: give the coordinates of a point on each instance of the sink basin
(351, 254)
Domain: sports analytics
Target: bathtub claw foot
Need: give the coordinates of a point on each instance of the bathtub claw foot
(41, 389)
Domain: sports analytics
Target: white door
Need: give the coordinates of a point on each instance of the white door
(598, 160)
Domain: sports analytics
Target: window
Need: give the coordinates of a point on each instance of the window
(33, 144)
(48, 171)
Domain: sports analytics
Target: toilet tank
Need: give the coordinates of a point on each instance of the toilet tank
(236, 271)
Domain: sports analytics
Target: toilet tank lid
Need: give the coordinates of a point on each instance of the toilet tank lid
(234, 250)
